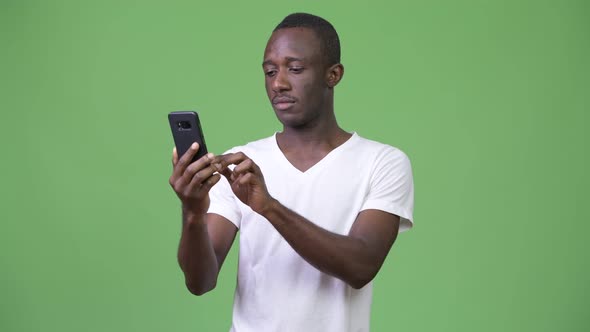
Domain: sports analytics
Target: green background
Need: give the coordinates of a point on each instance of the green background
(490, 100)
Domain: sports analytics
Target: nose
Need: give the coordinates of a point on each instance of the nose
(281, 82)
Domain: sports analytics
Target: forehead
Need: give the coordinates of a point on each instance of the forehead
(300, 43)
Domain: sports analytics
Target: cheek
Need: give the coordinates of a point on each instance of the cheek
(267, 88)
(313, 89)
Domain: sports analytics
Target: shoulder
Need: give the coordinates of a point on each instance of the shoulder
(380, 152)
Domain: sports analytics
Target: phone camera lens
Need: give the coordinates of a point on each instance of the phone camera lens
(184, 125)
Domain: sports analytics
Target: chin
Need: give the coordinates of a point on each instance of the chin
(291, 120)
(296, 118)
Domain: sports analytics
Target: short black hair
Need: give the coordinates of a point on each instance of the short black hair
(324, 30)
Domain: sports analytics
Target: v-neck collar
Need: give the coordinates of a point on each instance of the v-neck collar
(318, 165)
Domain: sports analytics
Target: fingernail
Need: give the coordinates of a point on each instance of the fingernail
(194, 146)
(210, 155)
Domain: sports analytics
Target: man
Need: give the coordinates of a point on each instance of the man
(318, 208)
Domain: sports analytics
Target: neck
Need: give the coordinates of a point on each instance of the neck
(321, 134)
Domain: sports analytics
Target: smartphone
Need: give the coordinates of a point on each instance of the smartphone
(186, 129)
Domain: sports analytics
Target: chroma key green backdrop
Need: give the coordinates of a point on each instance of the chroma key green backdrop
(490, 99)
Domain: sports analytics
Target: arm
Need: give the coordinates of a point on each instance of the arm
(206, 238)
(354, 258)
(204, 244)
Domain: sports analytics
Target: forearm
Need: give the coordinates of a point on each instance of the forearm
(196, 255)
(345, 257)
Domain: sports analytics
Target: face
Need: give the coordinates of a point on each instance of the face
(295, 76)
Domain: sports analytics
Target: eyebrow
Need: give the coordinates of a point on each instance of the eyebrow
(289, 59)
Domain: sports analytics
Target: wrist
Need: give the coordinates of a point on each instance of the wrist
(269, 208)
(191, 216)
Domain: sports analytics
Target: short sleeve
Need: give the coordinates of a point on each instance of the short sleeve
(223, 202)
(392, 187)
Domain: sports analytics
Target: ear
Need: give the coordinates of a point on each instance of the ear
(334, 75)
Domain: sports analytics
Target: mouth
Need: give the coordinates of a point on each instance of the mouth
(282, 103)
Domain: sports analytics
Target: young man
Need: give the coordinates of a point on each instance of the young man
(318, 208)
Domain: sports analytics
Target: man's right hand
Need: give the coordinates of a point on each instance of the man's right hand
(192, 181)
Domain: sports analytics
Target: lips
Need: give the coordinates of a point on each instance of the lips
(282, 102)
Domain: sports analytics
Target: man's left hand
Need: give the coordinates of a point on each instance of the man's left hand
(246, 180)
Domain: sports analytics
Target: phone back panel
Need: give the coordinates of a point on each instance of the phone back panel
(186, 129)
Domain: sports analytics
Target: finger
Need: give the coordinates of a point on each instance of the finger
(218, 159)
(201, 176)
(211, 181)
(248, 165)
(201, 164)
(227, 173)
(233, 158)
(174, 156)
(244, 166)
(222, 166)
(173, 178)
(256, 169)
(235, 183)
(248, 178)
(185, 160)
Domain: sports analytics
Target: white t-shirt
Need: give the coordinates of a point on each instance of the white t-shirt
(277, 290)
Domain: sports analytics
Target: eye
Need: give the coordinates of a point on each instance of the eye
(296, 70)
(270, 73)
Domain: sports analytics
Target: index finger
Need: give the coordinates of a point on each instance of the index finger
(231, 158)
